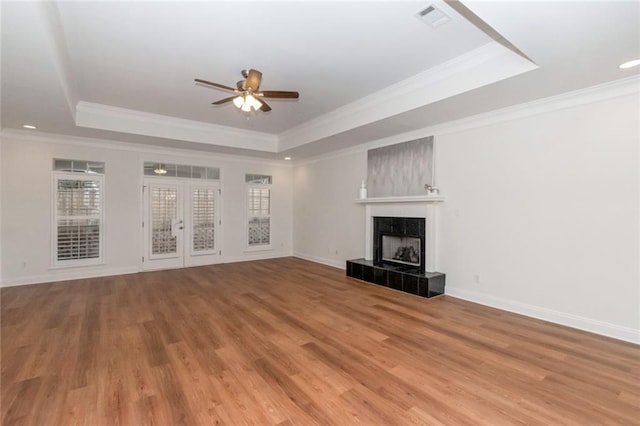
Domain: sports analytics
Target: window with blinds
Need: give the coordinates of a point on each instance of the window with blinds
(259, 210)
(78, 218)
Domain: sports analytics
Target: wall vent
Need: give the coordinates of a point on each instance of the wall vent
(433, 16)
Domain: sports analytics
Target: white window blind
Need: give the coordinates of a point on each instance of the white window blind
(259, 210)
(78, 227)
(203, 219)
(164, 206)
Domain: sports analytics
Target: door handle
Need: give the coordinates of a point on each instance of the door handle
(176, 225)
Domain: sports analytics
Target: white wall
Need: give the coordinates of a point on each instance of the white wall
(543, 209)
(328, 225)
(26, 204)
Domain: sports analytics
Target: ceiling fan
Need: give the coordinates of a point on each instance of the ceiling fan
(247, 96)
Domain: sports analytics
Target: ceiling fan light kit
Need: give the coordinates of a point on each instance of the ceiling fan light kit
(247, 103)
(247, 92)
(159, 170)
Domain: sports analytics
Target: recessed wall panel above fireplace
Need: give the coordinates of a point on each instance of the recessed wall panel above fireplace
(400, 170)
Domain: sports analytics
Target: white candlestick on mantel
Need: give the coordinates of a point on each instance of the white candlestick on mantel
(363, 190)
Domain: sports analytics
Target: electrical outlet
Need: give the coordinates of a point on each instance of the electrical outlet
(476, 278)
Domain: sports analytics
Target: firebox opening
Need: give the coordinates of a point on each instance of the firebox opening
(404, 250)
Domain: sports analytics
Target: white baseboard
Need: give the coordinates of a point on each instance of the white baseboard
(101, 271)
(340, 264)
(627, 334)
(256, 255)
(68, 275)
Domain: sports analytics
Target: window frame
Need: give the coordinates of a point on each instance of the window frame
(258, 247)
(73, 263)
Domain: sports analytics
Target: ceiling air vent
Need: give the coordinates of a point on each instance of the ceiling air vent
(433, 16)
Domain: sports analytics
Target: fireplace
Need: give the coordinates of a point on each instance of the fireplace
(400, 242)
(400, 246)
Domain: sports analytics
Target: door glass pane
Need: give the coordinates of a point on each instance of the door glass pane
(213, 173)
(198, 172)
(184, 171)
(164, 211)
(204, 219)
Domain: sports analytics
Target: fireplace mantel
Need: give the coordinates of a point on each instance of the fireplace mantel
(407, 199)
(424, 206)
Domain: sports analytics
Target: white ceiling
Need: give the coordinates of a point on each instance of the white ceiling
(365, 70)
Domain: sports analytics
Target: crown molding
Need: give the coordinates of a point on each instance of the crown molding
(105, 117)
(487, 64)
(484, 65)
(601, 92)
(42, 137)
(622, 87)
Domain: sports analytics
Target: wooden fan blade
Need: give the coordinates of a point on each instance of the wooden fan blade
(208, 83)
(253, 80)
(264, 107)
(280, 94)
(224, 101)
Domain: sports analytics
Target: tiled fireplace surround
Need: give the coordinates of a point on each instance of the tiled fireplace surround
(426, 284)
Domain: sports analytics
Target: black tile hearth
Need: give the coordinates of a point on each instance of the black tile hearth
(395, 280)
(410, 284)
(380, 276)
(367, 274)
(356, 270)
(396, 283)
(409, 280)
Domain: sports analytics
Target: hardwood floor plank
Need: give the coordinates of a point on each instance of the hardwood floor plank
(237, 400)
(80, 407)
(172, 396)
(290, 342)
(151, 410)
(282, 384)
(155, 346)
(19, 404)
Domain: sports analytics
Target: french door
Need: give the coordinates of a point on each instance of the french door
(181, 223)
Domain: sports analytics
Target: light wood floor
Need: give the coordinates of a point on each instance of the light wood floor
(290, 342)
